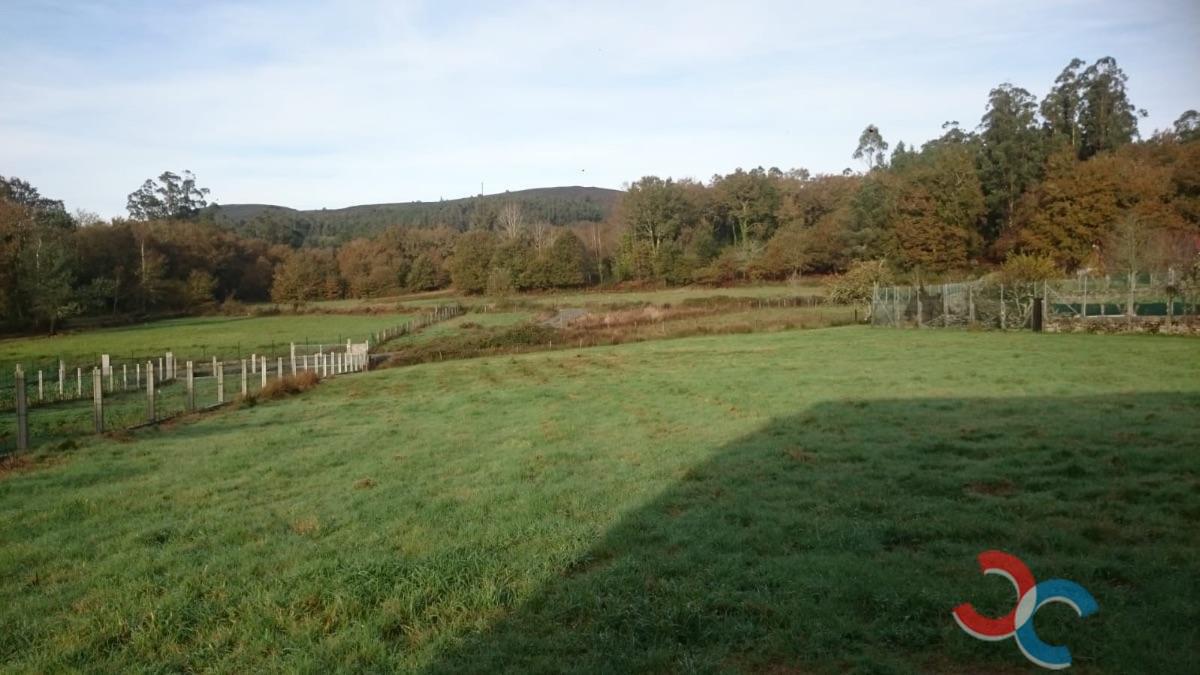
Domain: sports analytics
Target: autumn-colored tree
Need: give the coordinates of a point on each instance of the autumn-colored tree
(939, 207)
(1067, 214)
(857, 285)
(369, 268)
(1074, 210)
(305, 276)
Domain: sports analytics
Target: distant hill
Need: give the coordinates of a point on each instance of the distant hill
(280, 224)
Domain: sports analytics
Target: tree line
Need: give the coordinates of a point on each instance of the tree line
(1043, 187)
(1067, 180)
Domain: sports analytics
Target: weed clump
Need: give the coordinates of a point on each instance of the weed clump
(288, 386)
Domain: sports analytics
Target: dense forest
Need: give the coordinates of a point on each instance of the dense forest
(1047, 187)
(330, 227)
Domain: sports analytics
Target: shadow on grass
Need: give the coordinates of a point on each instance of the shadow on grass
(840, 538)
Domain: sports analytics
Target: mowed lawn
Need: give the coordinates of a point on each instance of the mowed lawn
(199, 337)
(808, 501)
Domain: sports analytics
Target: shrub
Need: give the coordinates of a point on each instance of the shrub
(857, 284)
(288, 386)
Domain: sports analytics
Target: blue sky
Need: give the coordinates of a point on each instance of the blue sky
(330, 104)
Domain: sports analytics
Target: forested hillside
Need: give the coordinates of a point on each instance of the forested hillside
(1036, 189)
(316, 227)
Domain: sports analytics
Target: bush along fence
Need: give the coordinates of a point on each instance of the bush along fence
(1132, 302)
(54, 407)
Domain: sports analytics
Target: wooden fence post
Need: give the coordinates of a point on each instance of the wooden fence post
(62, 377)
(920, 309)
(1045, 300)
(1083, 305)
(262, 374)
(150, 417)
(945, 306)
(1129, 302)
(41, 389)
(1002, 310)
(214, 366)
(279, 367)
(254, 364)
(1170, 296)
(245, 389)
(22, 411)
(98, 400)
(293, 359)
(191, 388)
(79, 383)
(971, 305)
(137, 375)
(124, 377)
(220, 371)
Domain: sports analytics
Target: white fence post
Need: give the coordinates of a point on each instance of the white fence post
(98, 400)
(191, 388)
(150, 416)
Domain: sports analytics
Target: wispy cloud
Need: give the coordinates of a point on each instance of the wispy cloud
(311, 104)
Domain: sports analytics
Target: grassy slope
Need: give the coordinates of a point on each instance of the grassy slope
(811, 499)
(196, 336)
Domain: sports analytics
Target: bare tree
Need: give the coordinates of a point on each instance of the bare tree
(541, 234)
(512, 222)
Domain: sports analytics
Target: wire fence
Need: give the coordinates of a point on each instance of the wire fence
(53, 405)
(990, 303)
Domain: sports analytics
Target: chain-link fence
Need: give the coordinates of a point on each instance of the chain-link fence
(990, 303)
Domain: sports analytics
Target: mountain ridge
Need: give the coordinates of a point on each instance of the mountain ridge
(601, 195)
(560, 205)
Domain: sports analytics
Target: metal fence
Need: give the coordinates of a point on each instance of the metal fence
(990, 303)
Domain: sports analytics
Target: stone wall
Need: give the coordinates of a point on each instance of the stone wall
(1180, 325)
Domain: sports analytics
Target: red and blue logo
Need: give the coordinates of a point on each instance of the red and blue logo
(1031, 597)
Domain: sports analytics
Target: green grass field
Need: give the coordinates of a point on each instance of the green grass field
(197, 337)
(806, 501)
(460, 325)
